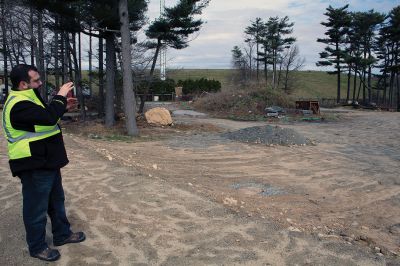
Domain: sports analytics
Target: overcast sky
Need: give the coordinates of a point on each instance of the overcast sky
(227, 19)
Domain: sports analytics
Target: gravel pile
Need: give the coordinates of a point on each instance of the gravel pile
(269, 135)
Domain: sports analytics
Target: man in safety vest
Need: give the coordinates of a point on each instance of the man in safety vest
(36, 152)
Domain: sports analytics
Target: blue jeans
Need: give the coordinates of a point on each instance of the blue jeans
(43, 194)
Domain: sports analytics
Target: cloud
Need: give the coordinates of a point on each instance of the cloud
(226, 21)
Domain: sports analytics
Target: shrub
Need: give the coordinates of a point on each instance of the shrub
(156, 86)
(198, 86)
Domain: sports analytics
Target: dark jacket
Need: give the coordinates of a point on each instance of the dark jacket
(48, 153)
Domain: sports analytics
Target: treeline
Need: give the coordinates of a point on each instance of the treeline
(48, 34)
(268, 53)
(366, 47)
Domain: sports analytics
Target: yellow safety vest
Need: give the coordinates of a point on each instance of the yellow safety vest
(18, 140)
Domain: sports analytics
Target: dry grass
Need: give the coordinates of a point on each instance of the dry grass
(249, 101)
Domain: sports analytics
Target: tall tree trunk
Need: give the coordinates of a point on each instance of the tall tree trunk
(369, 80)
(392, 76)
(397, 76)
(70, 55)
(110, 80)
(279, 73)
(118, 89)
(3, 29)
(90, 61)
(64, 58)
(146, 89)
(286, 78)
(364, 77)
(338, 74)
(266, 66)
(78, 77)
(385, 78)
(101, 78)
(348, 84)
(32, 38)
(43, 90)
(258, 62)
(251, 62)
(273, 69)
(34, 45)
(153, 65)
(129, 97)
(359, 86)
(79, 74)
(56, 56)
(355, 83)
(398, 92)
(364, 90)
(391, 89)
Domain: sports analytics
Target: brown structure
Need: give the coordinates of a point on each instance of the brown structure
(308, 105)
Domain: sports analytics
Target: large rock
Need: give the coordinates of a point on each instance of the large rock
(158, 116)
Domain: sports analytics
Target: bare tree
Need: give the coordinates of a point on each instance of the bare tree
(4, 49)
(292, 62)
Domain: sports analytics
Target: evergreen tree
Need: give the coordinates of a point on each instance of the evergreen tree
(364, 26)
(239, 63)
(172, 29)
(389, 55)
(334, 53)
(254, 31)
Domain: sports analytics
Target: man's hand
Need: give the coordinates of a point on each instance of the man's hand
(65, 89)
(72, 104)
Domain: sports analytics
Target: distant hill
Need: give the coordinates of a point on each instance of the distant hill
(308, 84)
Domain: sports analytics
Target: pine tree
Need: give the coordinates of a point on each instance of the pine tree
(172, 29)
(334, 53)
(254, 31)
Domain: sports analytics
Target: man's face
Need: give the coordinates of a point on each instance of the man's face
(35, 79)
(34, 82)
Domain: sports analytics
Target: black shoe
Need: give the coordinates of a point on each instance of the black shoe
(73, 238)
(47, 254)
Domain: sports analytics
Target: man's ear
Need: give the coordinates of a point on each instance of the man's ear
(24, 84)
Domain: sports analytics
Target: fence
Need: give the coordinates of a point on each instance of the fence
(332, 102)
(325, 102)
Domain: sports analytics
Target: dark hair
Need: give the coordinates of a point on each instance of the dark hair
(21, 73)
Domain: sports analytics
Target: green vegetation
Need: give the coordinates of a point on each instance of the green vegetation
(198, 86)
(308, 84)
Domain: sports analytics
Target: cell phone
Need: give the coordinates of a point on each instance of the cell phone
(70, 94)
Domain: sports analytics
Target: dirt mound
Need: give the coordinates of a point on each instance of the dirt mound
(270, 135)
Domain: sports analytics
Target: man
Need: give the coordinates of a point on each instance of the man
(36, 152)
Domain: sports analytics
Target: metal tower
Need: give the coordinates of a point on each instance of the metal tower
(163, 49)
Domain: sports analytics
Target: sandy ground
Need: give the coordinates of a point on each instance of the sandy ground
(196, 198)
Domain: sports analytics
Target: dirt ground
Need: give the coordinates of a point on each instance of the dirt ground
(187, 196)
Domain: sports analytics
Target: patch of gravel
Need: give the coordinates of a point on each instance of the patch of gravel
(269, 135)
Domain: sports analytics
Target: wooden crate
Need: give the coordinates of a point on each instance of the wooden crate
(308, 105)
